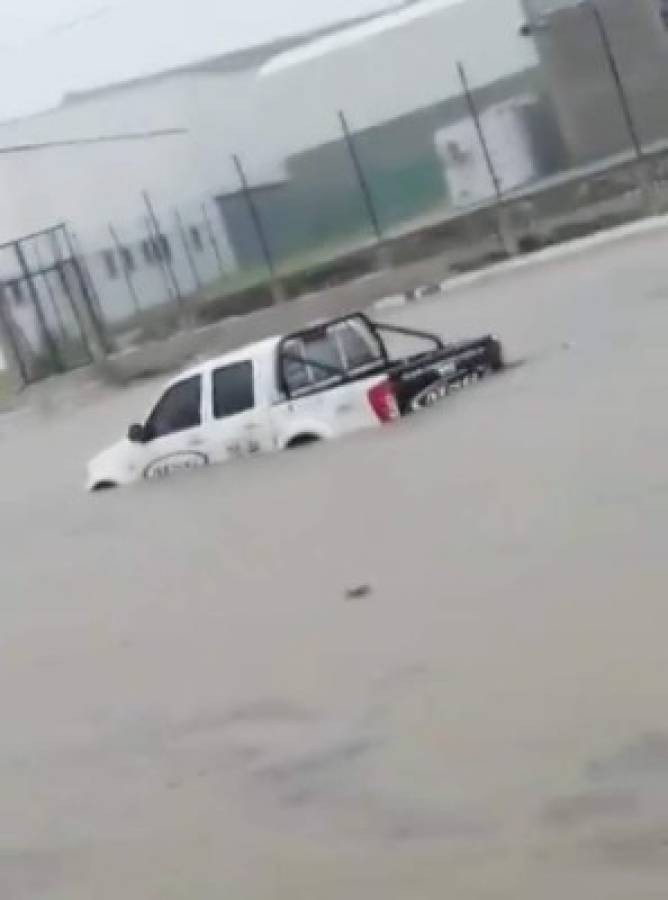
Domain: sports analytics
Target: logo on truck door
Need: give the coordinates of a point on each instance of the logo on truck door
(176, 462)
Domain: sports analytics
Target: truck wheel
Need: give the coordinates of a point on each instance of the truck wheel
(104, 486)
(496, 360)
(302, 440)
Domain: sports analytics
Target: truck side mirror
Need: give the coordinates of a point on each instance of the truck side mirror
(137, 434)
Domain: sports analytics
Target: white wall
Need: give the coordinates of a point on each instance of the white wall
(91, 185)
(392, 66)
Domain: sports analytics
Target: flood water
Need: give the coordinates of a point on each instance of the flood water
(197, 703)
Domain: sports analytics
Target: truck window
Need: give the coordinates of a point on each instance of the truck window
(323, 350)
(358, 346)
(295, 371)
(233, 390)
(321, 357)
(179, 409)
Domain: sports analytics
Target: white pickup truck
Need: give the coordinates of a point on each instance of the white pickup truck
(320, 383)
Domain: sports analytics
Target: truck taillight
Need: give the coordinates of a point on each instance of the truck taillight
(384, 402)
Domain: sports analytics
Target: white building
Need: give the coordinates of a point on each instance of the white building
(179, 130)
(376, 71)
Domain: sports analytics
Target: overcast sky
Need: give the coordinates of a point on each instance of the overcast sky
(50, 46)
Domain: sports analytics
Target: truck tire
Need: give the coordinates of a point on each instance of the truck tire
(104, 486)
(496, 360)
(302, 440)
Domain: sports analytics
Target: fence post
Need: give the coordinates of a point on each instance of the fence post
(186, 249)
(212, 239)
(365, 190)
(649, 195)
(277, 289)
(92, 293)
(93, 329)
(16, 368)
(127, 274)
(504, 223)
(157, 256)
(47, 284)
(154, 225)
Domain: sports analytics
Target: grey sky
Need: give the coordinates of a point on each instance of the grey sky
(50, 46)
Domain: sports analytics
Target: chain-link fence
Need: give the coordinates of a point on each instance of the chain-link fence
(484, 174)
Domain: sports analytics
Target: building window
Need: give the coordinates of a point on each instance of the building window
(127, 256)
(17, 291)
(164, 248)
(110, 263)
(663, 6)
(148, 252)
(156, 249)
(196, 238)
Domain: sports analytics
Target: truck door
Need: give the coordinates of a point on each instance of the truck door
(175, 435)
(239, 421)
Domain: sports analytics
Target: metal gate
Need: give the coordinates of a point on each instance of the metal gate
(48, 309)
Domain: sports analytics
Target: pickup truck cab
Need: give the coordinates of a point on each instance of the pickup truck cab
(324, 382)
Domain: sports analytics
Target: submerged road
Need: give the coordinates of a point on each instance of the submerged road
(193, 708)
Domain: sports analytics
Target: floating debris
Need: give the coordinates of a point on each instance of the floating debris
(359, 593)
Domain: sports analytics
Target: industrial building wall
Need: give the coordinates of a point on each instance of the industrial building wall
(580, 80)
(320, 207)
(93, 184)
